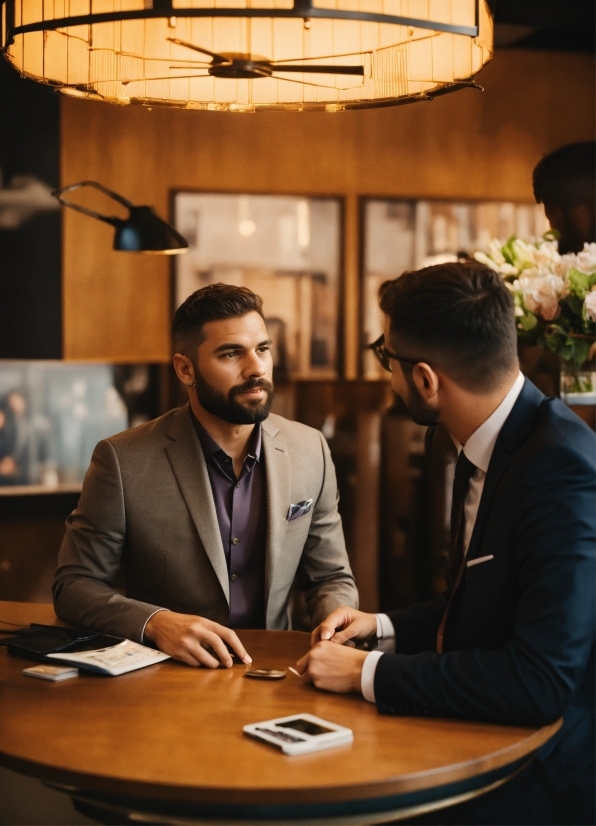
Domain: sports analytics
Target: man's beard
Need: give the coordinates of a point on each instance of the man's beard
(420, 411)
(228, 408)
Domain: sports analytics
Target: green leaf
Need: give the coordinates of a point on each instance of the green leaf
(582, 350)
(579, 283)
(528, 322)
(507, 250)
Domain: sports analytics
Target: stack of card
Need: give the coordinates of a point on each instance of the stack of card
(51, 672)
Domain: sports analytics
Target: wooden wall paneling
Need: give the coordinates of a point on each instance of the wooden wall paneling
(351, 289)
(406, 507)
(466, 145)
(28, 554)
(365, 559)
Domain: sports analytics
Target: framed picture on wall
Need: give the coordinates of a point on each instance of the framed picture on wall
(402, 235)
(285, 248)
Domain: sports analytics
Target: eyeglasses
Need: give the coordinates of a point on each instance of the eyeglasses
(384, 355)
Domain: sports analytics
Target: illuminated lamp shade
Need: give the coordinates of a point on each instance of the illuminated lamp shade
(142, 231)
(245, 55)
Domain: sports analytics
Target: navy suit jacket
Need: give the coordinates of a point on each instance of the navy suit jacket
(519, 640)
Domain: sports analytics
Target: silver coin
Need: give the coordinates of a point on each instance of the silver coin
(265, 674)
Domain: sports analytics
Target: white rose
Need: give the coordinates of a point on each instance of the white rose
(523, 254)
(561, 267)
(585, 261)
(494, 251)
(541, 296)
(488, 262)
(547, 254)
(590, 304)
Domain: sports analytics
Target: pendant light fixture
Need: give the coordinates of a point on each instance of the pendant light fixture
(245, 55)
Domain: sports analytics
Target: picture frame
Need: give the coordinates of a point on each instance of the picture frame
(400, 234)
(286, 248)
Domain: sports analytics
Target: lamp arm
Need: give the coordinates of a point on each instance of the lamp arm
(58, 194)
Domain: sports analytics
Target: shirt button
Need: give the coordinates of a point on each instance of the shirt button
(237, 486)
(235, 541)
(234, 577)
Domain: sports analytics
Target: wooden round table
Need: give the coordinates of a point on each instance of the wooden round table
(165, 744)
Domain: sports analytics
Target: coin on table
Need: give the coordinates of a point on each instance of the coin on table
(265, 674)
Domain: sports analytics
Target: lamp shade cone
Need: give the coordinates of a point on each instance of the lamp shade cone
(144, 231)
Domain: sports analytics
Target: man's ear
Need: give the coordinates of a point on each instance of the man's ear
(184, 369)
(426, 380)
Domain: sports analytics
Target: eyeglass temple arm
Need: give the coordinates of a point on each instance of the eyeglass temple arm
(374, 345)
(113, 220)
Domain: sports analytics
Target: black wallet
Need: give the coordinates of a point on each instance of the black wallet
(36, 641)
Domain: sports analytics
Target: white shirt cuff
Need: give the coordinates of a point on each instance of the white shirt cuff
(147, 620)
(367, 677)
(385, 634)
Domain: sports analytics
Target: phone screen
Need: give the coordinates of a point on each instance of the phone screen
(300, 724)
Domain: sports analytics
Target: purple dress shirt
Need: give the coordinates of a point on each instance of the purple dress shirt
(241, 507)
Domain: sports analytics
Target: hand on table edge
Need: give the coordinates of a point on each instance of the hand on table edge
(345, 624)
(184, 637)
(333, 667)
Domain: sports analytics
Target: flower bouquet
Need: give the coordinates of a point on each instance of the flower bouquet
(555, 299)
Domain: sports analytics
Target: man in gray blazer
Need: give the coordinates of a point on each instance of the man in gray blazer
(212, 510)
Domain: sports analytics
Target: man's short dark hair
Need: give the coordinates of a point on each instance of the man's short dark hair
(212, 303)
(567, 176)
(458, 317)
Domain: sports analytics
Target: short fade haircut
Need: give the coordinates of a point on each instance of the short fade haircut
(567, 176)
(459, 317)
(212, 303)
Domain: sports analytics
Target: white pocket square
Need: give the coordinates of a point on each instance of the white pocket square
(480, 559)
(298, 510)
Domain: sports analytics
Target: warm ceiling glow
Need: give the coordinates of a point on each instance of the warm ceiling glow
(244, 55)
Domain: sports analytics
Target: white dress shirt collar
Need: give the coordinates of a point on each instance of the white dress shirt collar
(479, 447)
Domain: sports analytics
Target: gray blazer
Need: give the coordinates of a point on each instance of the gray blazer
(147, 508)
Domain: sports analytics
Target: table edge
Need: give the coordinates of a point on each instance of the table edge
(369, 790)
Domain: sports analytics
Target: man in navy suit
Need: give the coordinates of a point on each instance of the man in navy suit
(512, 639)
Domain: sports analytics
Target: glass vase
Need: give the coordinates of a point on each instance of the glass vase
(578, 384)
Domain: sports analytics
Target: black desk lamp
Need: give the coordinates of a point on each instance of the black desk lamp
(142, 231)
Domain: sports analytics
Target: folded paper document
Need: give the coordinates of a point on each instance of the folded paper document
(115, 660)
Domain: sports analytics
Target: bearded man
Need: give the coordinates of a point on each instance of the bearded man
(211, 511)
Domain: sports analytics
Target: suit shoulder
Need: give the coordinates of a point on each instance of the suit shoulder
(142, 433)
(557, 424)
(294, 431)
(560, 443)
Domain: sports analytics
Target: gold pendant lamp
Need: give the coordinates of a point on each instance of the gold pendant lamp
(245, 55)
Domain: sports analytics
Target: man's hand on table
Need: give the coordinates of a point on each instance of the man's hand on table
(333, 667)
(185, 637)
(330, 664)
(345, 624)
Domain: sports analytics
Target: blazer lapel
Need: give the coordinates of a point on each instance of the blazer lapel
(517, 427)
(190, 469)
(277, 471)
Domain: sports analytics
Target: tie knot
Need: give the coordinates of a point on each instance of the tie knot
(464, 470)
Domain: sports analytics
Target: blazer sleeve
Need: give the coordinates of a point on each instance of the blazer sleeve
(531, 679)
(89, 558)
(324, 572)
(416, 626)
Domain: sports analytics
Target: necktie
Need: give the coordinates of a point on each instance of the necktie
(464, 470)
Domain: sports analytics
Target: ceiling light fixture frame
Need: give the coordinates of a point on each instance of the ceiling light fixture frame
(164, 8)
(253, 67)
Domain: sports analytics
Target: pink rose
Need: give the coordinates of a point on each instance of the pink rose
(590, 304)
(541, 296)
